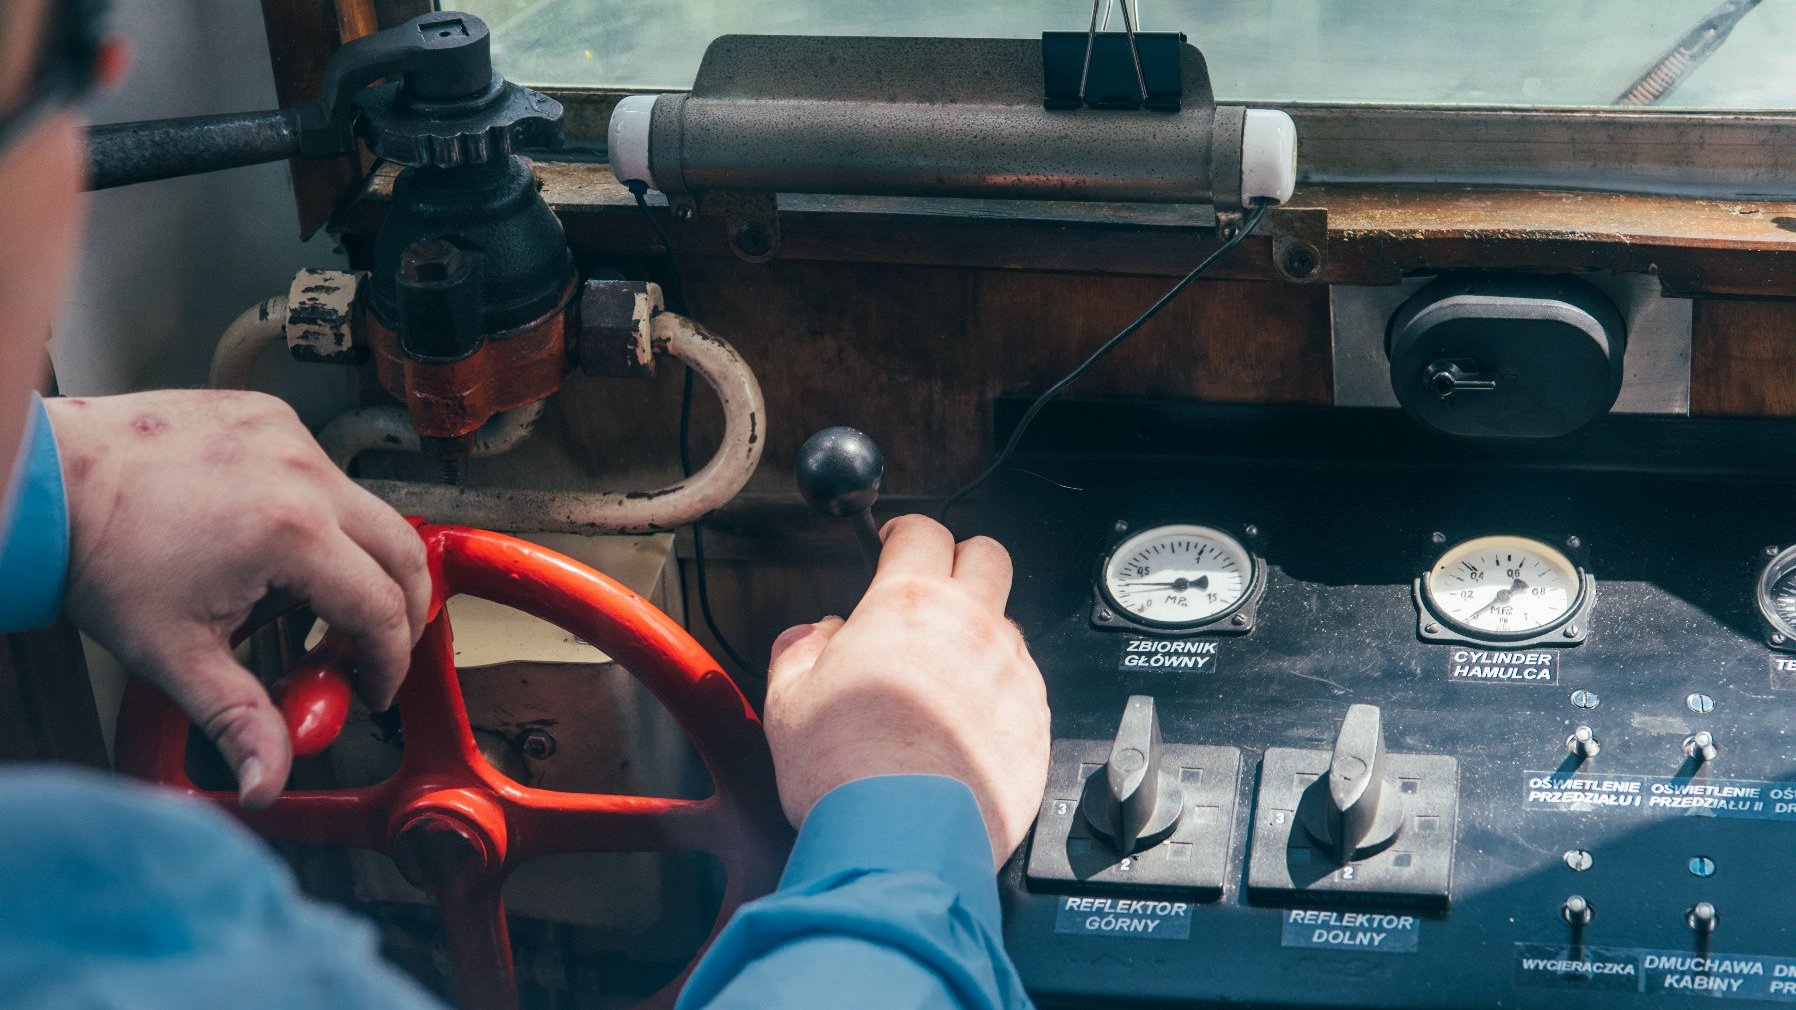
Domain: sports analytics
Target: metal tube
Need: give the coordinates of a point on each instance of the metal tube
(388, 427)
(916, 149)
(255, 329)
(122, 154)
(524, 510)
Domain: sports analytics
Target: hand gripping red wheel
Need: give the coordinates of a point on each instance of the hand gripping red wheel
(455, 825)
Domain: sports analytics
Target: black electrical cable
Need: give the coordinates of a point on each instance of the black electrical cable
(1016, 436)
(676, 301)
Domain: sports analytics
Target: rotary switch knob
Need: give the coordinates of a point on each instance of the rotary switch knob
(1133, 802)
(1355, 810)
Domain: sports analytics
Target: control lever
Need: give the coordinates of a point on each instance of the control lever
(839, 471)
(313, 695)
(1134, 802)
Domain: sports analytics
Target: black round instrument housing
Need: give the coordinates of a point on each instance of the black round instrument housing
(1506, 356)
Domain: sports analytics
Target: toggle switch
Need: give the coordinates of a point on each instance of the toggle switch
(1577, 912)
(1702, 918)
(1137, 811)
(1356, 822)
(1583, 743)
(1700, 747)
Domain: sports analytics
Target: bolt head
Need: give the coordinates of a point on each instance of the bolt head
(753, 238)
(1573, 543)
(1120, 526)
(1250, 531)
(1431, 628)
(1239, 620)
(1300, 261)
(1437, 537)
(537, 744)
(1571, 631)
(1104, 615)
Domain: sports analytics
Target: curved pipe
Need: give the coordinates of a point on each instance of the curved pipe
(256, 329)
(353, 432)
(531, 511)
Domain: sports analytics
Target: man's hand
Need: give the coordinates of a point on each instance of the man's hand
(188, 508)
(925, 677)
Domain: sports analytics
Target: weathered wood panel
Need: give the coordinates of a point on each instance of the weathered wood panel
(1743, 359)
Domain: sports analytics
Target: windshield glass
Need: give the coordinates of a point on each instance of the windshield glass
(1671, 54)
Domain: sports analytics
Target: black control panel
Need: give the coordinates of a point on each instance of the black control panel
(1558, 774)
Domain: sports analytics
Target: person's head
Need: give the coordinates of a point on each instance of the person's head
(51, 52)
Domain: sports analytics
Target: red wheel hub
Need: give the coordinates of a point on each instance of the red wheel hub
(456, 826)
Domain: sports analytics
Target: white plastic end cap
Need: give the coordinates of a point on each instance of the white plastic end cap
(1268, 156)
(627, 138)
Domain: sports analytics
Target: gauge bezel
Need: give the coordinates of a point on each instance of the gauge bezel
(1570, 628)
(1780, 634)
(1239, 618)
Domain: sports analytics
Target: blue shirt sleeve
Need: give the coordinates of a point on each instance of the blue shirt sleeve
(34, 552)
(889, 901)
(112, 895)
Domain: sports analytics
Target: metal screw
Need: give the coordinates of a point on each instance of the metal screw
(1239, 620)
(1250, 530)
(1120, 526)
(537, 743)
(1585, 699)
(1579, 860)
(753, 239)
(1700, 703)
(1702, 866)
(1571, 631)
(1777, 638)
(1573, 542)
(684, 211)
(1701, 746)
(1577, 911)
(1437, 537)
(1431, 628)
(1104, 615)
(1583, 742)
(1300, 261)
(1702, 918)
(1771, 552)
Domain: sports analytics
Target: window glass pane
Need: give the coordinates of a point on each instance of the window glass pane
(1474, 52)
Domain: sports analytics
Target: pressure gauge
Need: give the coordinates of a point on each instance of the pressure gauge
(1179, 578)
(1777, 598)
(1504, 590)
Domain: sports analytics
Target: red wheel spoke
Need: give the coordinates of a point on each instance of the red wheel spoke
(479, 947)
(431, 710)
(353, 817)
(544, 823)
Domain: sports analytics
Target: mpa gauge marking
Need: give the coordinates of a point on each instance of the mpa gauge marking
(1179, 578)
(1776, 598)
(1504, 590)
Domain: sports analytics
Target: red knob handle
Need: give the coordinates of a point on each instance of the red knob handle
(313, 695)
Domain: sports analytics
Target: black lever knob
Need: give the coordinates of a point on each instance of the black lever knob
(839, 471)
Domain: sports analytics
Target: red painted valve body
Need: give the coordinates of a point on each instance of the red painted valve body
(453, 399)
(455, 825)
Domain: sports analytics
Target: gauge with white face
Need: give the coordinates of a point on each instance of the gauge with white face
(1777, 598)
(1503, 587)
(1178, 576)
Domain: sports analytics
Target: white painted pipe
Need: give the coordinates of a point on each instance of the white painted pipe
(255, 330)
(521, 510)
(353, 432)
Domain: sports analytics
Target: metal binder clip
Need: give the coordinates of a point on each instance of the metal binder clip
(1126, 70)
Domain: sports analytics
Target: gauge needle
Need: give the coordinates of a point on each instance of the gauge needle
(1503, 596)
(1201, 582)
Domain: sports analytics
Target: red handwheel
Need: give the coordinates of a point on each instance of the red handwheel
(456, 826)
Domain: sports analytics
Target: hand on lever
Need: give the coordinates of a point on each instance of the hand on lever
(925, 677)
(189, 508)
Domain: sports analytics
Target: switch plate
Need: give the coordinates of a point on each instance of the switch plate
(1193, 860)
(1415, 871)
